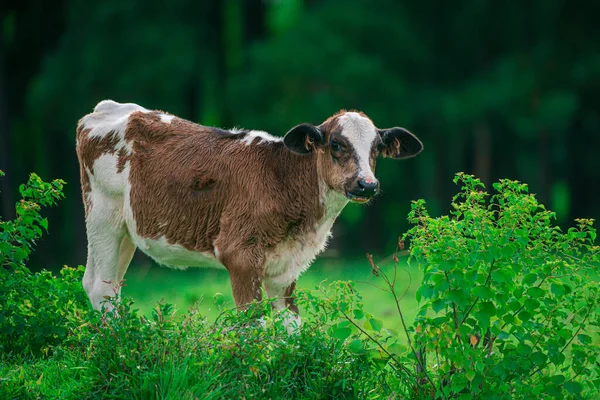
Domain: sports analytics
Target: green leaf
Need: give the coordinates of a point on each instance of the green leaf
(503, 335)
(500, 276)
(442, 286)
(557, 289)
(397, 349)
(356, 346)
(425, 292)
(584, 339)
(19, 254)
(531, 305)
(373, 324)
(470, 375)
(523, 349)
(508, 251)
(342, 333)
(438, 305)
(358, 314)
(530, 279)
(538, 357)
(457, 297)
(218, 299)
(488, 307)
(524, 316)
(483, 292)
(536, 292)
(573, 387)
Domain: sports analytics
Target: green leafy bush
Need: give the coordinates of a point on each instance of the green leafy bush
(120, 354)
(33, 307)
(53, 346)
(509, 302)
(509, 309)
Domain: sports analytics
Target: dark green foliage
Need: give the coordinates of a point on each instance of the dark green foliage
(495, 89)
(33, 307)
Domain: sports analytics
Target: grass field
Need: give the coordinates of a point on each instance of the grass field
(148, 283)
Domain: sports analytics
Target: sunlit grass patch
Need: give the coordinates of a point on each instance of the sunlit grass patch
(148, 283)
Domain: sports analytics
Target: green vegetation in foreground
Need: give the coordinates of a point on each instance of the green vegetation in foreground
(149, 283)
(508, 309)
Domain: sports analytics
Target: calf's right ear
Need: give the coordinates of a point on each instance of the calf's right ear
(303, 138)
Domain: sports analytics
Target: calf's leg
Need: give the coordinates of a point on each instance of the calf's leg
(284, 299)
(109, 253)
(245, 273)
(246, 287)
(126, 251)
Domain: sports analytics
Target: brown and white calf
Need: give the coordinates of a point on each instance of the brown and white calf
(261, 206)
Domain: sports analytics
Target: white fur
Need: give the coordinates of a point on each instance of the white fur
(290, 259)
(166, 118)
(173, 255)
(105, 229)
(262, 136)
(110, 116)
(361, 133)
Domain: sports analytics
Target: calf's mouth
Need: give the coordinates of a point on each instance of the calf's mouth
(357, 198)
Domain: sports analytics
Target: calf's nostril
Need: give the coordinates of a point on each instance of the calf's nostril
(367, 187)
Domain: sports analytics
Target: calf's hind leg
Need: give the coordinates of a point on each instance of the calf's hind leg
(126, 251)
(109, 253)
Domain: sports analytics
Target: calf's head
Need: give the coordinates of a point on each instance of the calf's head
(347, 146)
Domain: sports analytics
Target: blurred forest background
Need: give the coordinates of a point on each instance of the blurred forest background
(498, 89)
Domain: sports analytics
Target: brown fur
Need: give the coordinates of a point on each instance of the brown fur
(89, 150)
(217, 192)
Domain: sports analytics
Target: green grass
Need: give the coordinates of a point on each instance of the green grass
(148, 283)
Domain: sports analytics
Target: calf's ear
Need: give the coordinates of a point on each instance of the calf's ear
(399, 143)
(303, 138)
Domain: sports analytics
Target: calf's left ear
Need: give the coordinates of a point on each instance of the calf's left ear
(399, 143)
(303, 138)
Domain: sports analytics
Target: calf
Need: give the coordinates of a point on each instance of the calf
(261, 206)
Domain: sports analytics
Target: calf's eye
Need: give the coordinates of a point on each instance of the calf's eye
(336, 146)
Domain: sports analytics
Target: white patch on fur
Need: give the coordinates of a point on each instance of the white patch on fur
(105, 226)
(236, 130)
(173, 255)
(361, 133)
(110, 116)
(251, 136)
(106, 177)
(166, 118)
(290, 259)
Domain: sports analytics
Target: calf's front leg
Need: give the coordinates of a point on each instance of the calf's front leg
(245, 274)
(245, 286)
(284, 300)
